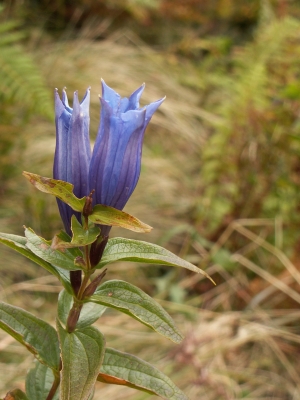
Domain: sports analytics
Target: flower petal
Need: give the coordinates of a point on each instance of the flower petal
(116, 159)
(108, 156)
(135, 98)
(110, 96)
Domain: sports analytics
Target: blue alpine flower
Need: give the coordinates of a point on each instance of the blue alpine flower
(114, 167)
(73, 151)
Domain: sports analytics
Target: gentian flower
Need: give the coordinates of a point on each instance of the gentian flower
(113, 169)
(73, 152)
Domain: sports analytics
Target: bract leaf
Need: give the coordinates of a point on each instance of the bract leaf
(89, 314)
(105, 215)
(16, 394)
(43, 249)
(18, 243)
(81, 237)
(82, 354)
(131, 300)
(39, 381)
(60, 189)
(36, 335)
(121, 249)
(125, 369)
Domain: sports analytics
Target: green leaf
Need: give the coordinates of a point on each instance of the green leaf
(18, 243)
(121, 249)
(105, 215)
(82, 354)
(60, 189)
(16, 394)
(63, 236)
(39, 381)
(125, 369)
(14, 239)
(133, 301)
(65, 279)
(43, 249)
(35, 334)
(81, 237)
(89, 314)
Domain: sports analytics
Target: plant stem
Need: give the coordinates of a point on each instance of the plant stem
(74, 313)
(83, 285)
(54, 387)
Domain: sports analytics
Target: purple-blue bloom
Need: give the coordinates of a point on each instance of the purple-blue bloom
(73, 151)
(114, 167)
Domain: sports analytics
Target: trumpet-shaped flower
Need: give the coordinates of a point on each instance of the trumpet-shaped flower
(116, 161)
(114, 167)
(73, 152)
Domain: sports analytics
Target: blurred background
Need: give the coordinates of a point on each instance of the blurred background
(219, 182)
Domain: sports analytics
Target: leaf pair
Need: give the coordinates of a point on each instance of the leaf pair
(58, 261)
(101, 215)
(83, 352)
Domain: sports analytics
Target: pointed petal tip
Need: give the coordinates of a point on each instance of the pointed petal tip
(64, 97)
(76, 103)
(103, 84)
(161, 100)
(59, 105)
(152, 107)
(56, 94)
(158, 102)
(85, 102)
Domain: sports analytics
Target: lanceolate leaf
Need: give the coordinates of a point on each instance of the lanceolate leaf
(35, 334)
(82, 354)
(133, 301)
(39, 381)
(118, 249)
(18, 243)
(125, 369)
(105, 215)
(60, 189)
(89, 314)
(14, 239)
(81, 237)
(42, 248)
(16, 394)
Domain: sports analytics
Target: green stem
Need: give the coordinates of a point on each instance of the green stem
(74, 313)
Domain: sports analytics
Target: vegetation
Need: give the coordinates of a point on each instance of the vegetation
(221, 167)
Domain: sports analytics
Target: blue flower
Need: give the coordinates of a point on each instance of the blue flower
(114, 168)
(116, 161)
(73, 152)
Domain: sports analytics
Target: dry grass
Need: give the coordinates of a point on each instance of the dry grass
(242, 336)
